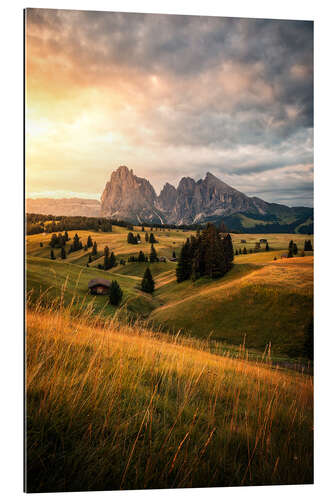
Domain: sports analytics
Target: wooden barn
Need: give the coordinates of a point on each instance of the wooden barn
(99, 286)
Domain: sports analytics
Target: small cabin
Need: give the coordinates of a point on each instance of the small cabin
(263, 240)
(99, 286)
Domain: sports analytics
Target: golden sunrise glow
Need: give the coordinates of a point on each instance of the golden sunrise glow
(104, 90)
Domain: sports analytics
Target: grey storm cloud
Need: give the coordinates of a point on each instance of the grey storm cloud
(233, 84)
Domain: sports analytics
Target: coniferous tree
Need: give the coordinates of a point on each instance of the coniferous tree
(184, 264)
(94, 249)
(112, 261)
(89, 259)
(138, 237)
(141, 257)
(76, 242)
(174, 255)
(53, 241)
(115, 293)
(41, 244)
(146, 237)
(153, 255)
(52, 255)
(308, 246)
(236, 253)
(308, 340)
(89, 242)
(143, 229)
(290, 253)
(106, 258)
(267, 247)
(147, 283)
(152, 238)
(244, 251)
(63, 253)
(240, 251)
(229, 250)
(295, 249)
(66, 236)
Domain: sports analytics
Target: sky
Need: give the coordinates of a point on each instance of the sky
(170, 97)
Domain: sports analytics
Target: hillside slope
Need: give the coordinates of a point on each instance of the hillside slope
(133, 409)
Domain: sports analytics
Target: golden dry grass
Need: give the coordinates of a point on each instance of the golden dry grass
(134, 408)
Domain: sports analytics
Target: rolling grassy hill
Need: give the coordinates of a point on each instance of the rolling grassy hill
(261, 299)
(135, 409)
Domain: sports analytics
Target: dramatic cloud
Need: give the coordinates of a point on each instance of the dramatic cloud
(169, 96)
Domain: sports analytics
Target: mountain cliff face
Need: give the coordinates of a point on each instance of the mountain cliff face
(132, 198)
(128, 197)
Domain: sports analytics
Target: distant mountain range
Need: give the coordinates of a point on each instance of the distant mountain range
(133, 199)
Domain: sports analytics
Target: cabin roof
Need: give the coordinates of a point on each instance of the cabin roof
(99, 281)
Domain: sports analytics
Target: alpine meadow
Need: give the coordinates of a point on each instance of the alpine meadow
(169, 250)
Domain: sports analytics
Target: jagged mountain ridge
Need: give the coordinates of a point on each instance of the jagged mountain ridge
(131, 198)
(128, 197)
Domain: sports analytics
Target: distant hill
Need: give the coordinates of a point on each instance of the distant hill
(64, 206)
(131, 198)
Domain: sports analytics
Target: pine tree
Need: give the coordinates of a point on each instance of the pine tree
(94, 250)
(106, 258)
(184, 264)
(76, 242)
(240, 251)
(147, 283)
(295, 249)
(89, 259)
(63, 253)
(143, 229)
(115, 293)
(112, 261)
(308, 246)
(89, 242)
(267, 247)
(290, 253)
(141, 257)
(66, 236)
(138, 237)
(228, 250)
(244, 251)
(236, 253)
(174, 255)
(308, 340)
(146, 237)
(152, 238)
(153, 255)
(54, 240)
(52, 255)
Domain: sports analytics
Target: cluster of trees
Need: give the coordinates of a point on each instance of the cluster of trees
(256, 249)
(140, 258)
(132, 239)
(109, 259)
(209, 253)
(308, 246)
(59, 240)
